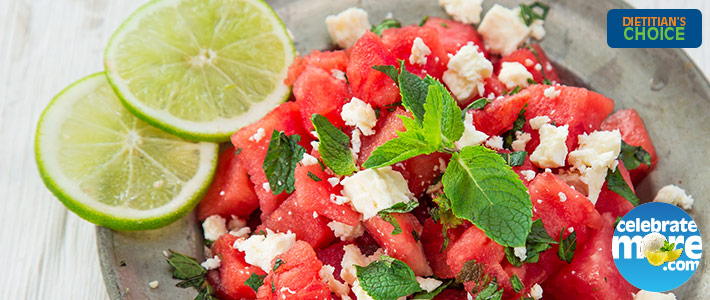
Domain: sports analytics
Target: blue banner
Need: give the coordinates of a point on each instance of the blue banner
(654, 28)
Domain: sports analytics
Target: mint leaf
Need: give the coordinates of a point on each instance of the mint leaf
(255, 281)
(667, 247)
(634, 156)
(423, 21)
(385, 24)
(491, 292)
(424, 295)
(484, 190)
(278, 263)
(408, 144)
(390, 71)
(387, 279)
(314, 177)
(514, 159)
(401, 207)
(567, 246)
(528, 13)
(280, 162)
(477, 105)
(443, 215)
(538, 241)
(616, 183)
(443, 115)
(191, 274)
(516, 283)
(414, 92)
(334, 146)
(509, 136)
(471, 271)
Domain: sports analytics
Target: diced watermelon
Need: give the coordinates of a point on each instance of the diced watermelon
(386, 129)
(526, 166)
(575, 211)
(315, 196)
(473, 244)
(318, 92)
(333, 256)
(526, 57)
(285, 117)
(367, 84)
(454, 34)
(326, 60)
(231, 192)
(548, 264)
(367, 244)
(401, 246)
(499, 115)
(399, 41)
(610, 202)
(297, 278)
(420, 171)
(581, 109)
(290, 217)
(452, 294)
(592, 274)
(433, 239)
(233, 271)
(633, 132)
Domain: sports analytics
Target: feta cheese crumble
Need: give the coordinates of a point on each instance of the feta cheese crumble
(470, 136)
(514, 74)
(551, 92)
(259, 250)
(464, 11)
(337, 287)
(337, 74)
(536, 292)
(353, 257)
(646, 295)
(495, 142)
(562, 196)
(214, 227)
(537, 29)
(672, 194)
(346, 232)
(419, 52)
(466, 72)
(529, 174)
(372, 190)
(308, 160)
(360, 114)
(211, 263)
(153, 284)
(339, 200)
(503, 29)
(266, 187)
(356, 143)
(348, 26)
(537, 122)
(552, 150)
(597, 153)
(521, 253)
(333, 181)
(428, 284)
(521, 140)
(258, 135)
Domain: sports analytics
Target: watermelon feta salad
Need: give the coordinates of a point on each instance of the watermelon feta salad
(440, 160)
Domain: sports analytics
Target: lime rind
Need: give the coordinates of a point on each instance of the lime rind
(68, 190)
(215, 128)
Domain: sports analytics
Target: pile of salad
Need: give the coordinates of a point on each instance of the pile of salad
(438, 160)
(430, 161)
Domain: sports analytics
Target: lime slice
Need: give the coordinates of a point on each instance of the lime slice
(674, 254)
(200, 69)
(656, 258)
(112, 169)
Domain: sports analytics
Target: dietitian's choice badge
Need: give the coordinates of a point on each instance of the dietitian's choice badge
(657, 247)
(654, 28)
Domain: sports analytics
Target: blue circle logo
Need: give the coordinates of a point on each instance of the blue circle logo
(657, 247)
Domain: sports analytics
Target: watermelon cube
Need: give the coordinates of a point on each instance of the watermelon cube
(453, 34)
(402, 246)
(318, 92)
(473, 244)
(399, 41)
(369, 85)
(526, 57)
(333, 256)
(254, 142)
(231, 193)
(498, 116)
(611, 202)
(229, 279)
(634, 133)
(326, 60)
(296, 278)
(307, 226)
(433, 239)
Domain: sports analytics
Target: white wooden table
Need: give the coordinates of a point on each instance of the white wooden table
(47, 252)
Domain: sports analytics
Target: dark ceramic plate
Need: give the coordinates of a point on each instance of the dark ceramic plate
(663, 85)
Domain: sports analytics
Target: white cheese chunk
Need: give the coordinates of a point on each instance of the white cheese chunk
(552, 150)
(214, 227)
(514, 74)
(464, 11)
(360, 114)
(259, 250)
(354, 257)
(536, 292)
(495, 142)
(153, 284)
(337, 287)
(337, 74)
(537, 122)
(521, 140)
(470, 136)
(597, 153)
(372, 190)
(348, 26)
(346, 232)
(428, 284)
(529, 174)
(674, 195)
(211, 263)
(503, 29)
(308, 160)
(356, 143)
(646, 295)
(333, 181)
(537, 29)
(521, 253)
(419, 52)
(551, 92)
(258, 135)
(466, 72)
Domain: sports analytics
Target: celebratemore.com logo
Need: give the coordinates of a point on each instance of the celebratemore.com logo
(654, 28)
(657, 247)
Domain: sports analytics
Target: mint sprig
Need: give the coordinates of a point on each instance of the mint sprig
(634, 156)
(516, 283)
(334, 146)
(387, 279)
(538, 241)
(484, 190)
(191, 274)
(509, 136)
(255, 281)
(402, 207)
(491, 291)
(667, 247)
(514, 159)
(385, 24)
(280, 162)
(616, 183)
(567, 246)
